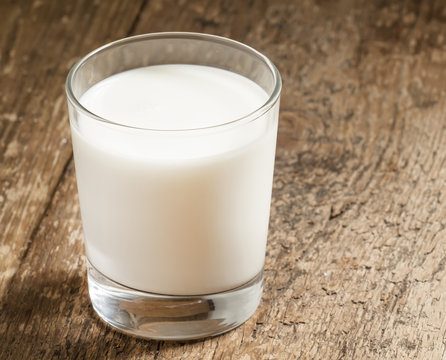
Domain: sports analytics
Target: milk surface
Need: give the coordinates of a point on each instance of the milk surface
(175, 212)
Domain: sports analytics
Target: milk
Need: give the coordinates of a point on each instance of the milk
(175, 212)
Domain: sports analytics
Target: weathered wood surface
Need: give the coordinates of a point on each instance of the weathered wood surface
(356, 260)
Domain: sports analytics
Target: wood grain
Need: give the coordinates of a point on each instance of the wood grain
(356, 259)
(40, 41)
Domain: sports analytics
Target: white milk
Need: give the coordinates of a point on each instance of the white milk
(175, 212)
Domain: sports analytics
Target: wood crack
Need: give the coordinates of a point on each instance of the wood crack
(157, 352)
(41, 217)
(137, 18)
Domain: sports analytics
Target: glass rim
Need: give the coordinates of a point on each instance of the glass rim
(255, 114)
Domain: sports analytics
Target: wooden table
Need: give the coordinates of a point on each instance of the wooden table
(356, 260)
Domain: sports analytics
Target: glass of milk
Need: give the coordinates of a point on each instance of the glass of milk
(174, 138)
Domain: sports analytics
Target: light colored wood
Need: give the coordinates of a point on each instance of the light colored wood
(355, 265)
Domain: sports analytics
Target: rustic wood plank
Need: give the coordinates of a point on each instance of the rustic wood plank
(39, 42)
(356, 258)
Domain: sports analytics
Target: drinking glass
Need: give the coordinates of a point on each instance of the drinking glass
(175, 243)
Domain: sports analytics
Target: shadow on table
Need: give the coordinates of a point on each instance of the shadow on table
(51, 316)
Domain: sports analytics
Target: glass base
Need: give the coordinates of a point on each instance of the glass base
(166, 317)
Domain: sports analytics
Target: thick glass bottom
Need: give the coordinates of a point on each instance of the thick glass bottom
(166, 317)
